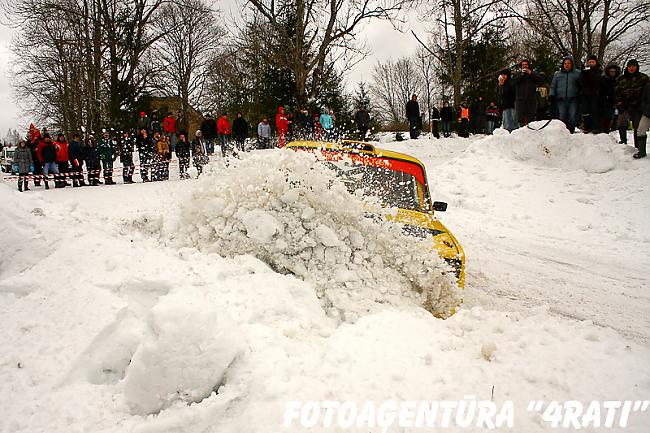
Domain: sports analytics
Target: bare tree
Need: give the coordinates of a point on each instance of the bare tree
(312, 30)
(393, 84)
(186, 50)
(612, 29)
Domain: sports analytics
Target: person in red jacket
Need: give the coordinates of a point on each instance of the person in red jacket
(169, 127)
(61, 145)
(282, 126)
(223, 131)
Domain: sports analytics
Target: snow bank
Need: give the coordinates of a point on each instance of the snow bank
(289, 211)
(188, 345)
(26, 236)
(555, 147)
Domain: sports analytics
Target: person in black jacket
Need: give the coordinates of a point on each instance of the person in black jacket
(525, 84)
(76, 157)
(240, 131)
(209, 132)
(447, 117)
(91, 156)
(608, 97)
(146, 152)
(477, 116)
(183, 155)
(125, 150)
(435, 117)
(590, 89)
(644, 123)
(413, 116)
(362, 120)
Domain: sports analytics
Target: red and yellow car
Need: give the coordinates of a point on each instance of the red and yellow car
(399, 181)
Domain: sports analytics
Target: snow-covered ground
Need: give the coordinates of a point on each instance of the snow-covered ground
(207, 305)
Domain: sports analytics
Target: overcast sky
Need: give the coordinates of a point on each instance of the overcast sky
(384, 42)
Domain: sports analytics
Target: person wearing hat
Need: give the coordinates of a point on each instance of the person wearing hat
(61, 145)
(47, 155)
(608, 97)
(199, 152)
(125, 147)
(143, 122)
(106, 150)
(629, 89)
(590, 89)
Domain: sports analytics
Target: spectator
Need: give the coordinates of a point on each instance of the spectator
(169, 128)
(145, 147)
(590, 89)
(91, 156)
(240, 131)
(33, 139)
(629, 89)
(143, 122)
(224, 131)
(413, 116)
(76, 157)
(492, 115)
(463, 121)
(183, 155)
(507, 94)
(155, 125)
(327, 124)
(106, 150)
(525, 84)
(362, 119)
(264, 134)
(564, 93)
(477, 116)
(644, 123)
(608, 96)
(125, 146)
(23, 164)
(282, 126)
(159, 150)
(61, 145)
(199, 152)
(181, 124)
(209, 132)
(447, 117)
(47, 154)
(435, 117)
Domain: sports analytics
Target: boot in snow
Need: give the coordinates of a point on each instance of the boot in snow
(622, 133)
(26, 187)
(641, 142)
(20, 185)
(47, 185)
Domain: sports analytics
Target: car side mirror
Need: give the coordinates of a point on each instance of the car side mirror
(439, 206)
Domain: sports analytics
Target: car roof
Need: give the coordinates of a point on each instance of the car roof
(353, 146)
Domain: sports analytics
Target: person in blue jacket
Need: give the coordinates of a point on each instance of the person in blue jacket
(327, 124)
(564, 93)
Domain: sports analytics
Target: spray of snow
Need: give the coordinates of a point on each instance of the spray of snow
(289, 211)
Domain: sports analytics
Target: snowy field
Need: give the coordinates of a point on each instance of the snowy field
(208, 305)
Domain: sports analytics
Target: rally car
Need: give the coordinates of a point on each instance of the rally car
(400, 182)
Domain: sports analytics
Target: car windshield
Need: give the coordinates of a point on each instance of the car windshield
(373, 177)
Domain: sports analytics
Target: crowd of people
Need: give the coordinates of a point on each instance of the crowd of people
(597, 100)
(83, 161)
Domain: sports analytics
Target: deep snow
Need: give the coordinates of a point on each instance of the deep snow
(556, 302)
